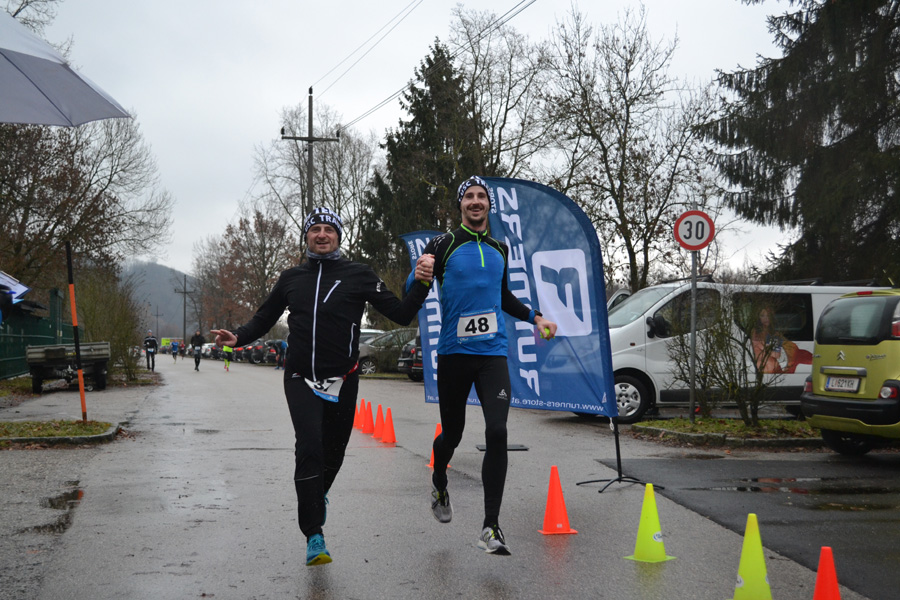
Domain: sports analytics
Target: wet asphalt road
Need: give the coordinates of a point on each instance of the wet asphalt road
(198, 502)
(803, 502)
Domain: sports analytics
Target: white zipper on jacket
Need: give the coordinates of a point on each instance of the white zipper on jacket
(315, 314)
(328, 295)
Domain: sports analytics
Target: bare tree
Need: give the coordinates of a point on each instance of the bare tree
(33, 14)
(504, 74)
(342, 171)
(235, 272)
(220, 306)
(627, 150)
(95, 185)
(109, 312)
(730, 369)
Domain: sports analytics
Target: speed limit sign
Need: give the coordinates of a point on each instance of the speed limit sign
(694, 230)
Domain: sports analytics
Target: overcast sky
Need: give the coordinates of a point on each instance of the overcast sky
(207, 79)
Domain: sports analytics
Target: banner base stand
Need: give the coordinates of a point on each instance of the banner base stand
(621, 478)
(509, 447)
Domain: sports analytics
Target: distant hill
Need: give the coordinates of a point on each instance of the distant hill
(155, 286)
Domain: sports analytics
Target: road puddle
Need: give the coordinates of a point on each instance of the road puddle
(65, 502)
(814, 486)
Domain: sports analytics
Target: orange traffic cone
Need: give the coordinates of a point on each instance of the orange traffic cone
(379, 425)
(437, 432)
(826, 578)
(555, 518)
(357, 417)
(388, 436)
(368, 423)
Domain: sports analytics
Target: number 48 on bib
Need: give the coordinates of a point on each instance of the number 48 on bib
(477, 325)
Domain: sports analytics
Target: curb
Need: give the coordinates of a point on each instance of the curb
(721, 439)
(101, 438)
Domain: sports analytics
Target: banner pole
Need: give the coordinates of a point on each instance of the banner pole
(75, 331)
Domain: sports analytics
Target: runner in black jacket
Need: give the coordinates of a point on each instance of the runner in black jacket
(326, 297)
(151, 345)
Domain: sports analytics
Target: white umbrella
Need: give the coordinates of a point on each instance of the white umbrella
(38, 87)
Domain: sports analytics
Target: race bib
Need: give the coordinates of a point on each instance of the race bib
(326, 389)
(477, 325)
(151, 350)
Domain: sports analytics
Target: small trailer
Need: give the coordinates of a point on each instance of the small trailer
(57, 361)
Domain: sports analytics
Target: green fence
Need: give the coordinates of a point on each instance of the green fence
(23, 328)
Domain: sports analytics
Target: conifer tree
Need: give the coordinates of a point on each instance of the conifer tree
(810, 139)
(426, 158)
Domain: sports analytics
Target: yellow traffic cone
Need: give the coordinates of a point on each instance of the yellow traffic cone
(752, 580)
(649, 546)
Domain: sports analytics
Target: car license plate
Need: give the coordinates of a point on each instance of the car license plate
(841, 384)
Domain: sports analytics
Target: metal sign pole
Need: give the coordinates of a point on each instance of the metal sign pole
(694, 230)
(693, 332)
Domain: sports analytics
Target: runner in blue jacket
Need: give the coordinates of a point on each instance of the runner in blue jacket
(471, 267)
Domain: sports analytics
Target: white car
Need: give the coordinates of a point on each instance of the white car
(367, 334)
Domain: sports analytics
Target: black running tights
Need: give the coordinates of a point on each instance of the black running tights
(322, 430)
(490, 375)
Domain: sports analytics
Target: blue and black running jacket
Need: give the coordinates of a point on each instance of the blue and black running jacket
(471, 268)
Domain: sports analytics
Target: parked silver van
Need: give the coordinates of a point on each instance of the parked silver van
(641, 328)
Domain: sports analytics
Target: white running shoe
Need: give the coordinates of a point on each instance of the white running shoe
(440, 507)
(492, 541)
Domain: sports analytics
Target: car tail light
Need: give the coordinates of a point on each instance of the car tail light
(807, 386)
(888, 392)
(895, 322)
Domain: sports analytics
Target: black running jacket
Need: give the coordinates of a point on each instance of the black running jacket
(326, 300)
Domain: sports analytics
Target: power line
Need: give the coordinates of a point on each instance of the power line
(497, 24)
(405, 9)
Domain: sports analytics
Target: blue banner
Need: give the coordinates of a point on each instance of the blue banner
(555, 266)
(429, 316)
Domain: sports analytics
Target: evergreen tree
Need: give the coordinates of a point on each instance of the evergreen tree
(810, 140)
(427, 156)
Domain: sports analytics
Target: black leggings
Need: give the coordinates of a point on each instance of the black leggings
(490, 375)
(322, 430)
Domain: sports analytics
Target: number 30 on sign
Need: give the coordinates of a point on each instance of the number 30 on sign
(694, 230)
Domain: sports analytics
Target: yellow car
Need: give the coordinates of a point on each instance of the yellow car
(853, 394)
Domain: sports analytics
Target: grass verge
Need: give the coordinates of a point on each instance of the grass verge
(41, 429)
(735, 428)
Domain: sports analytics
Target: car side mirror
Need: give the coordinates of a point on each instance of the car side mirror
(657, 326)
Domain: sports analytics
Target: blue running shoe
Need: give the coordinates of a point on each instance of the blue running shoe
(316, 552)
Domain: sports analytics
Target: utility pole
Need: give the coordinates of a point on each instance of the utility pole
(157, 315)
(184, 294)
(309, 139)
